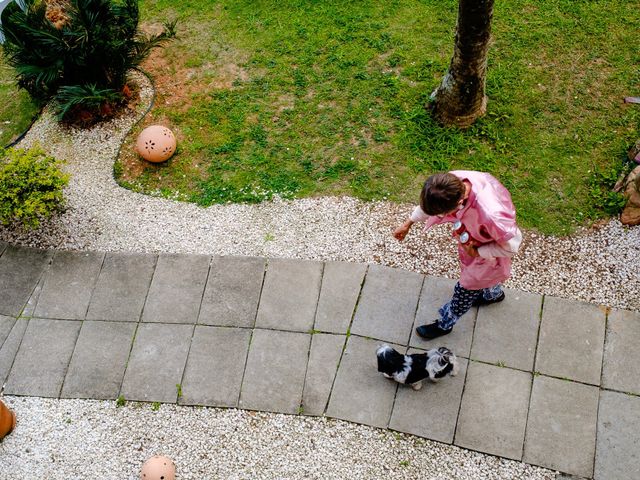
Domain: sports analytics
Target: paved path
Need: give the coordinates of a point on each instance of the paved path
(543, 378)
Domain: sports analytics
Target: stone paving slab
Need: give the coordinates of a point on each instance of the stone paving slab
(435, 293)
(68, 284)
(30, 307)
(290, 295)
(341, 284)
(43, 357)
(3, 246)
(99, 360)
(324, 357)
(361, 394)
(20, 271)
(156, 363)
(216, 362)
(621, 364)
(387, 304)
(176, 289)
(561, 431)
(122, 287)
(10, 347)
(571, 340)
(274, 376)
(493, 413)
(618, 447)
(431, 412)
(6, 324)
(232, 292)
(507, 333)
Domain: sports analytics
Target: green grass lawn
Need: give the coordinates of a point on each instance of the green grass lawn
(16, 109)
(308, 98)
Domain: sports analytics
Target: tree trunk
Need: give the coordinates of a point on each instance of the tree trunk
(460, 98)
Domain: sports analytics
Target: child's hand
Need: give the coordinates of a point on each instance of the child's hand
(402, 231)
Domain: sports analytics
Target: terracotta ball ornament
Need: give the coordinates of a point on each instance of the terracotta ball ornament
(158, 468)
(156, 143)
(7, 420)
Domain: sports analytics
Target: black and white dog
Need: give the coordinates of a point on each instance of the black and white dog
(413, 369)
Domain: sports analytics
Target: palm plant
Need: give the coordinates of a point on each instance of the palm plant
(81, 62)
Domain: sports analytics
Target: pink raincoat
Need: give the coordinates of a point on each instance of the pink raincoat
(489, 216)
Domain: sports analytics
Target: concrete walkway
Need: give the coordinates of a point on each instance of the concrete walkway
(544, 380)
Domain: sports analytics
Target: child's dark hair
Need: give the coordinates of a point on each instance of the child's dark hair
(441, 193)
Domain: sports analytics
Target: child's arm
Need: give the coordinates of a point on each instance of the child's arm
(416, 216)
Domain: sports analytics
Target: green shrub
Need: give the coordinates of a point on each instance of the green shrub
(84, 96)
(31, 185)
(83, 58)
(601, 182)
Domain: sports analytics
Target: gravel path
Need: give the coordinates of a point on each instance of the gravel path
(600, 265)
(206, 443)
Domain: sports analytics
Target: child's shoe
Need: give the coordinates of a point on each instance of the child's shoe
(432, 331)
(481, 301)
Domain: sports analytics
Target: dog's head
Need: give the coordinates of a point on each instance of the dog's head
(440, 362)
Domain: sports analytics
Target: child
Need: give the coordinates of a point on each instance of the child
(484, 208)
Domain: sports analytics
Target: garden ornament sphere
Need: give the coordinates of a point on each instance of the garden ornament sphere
(156, 144)
(7, 420)
(158, 468)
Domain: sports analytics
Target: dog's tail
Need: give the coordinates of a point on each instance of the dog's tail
(386, 356)
(384, 349)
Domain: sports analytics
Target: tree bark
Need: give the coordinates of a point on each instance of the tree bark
(460, 98)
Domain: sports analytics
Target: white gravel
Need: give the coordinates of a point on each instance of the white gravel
(600, 265)
(87, 439)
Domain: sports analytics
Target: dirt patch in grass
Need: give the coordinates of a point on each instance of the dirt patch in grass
(178, 86)
(285, 102)
(227, 76)
(172, 81)
(176, 83)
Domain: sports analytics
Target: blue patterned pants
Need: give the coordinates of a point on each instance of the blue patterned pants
(461, 301)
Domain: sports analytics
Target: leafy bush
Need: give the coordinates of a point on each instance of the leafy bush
(31, 185)
(601, 191)
(78, 54)
(89, 97)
